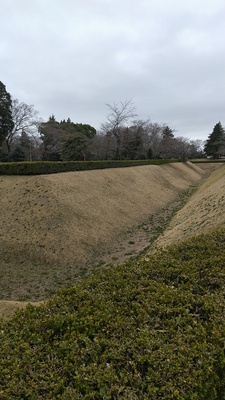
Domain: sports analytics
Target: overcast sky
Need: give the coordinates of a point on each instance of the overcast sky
(71, 57)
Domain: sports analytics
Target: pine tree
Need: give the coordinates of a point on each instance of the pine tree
(167, 133)
(214, 146)
(6, 121)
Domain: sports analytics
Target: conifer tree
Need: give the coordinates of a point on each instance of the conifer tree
(215, 144)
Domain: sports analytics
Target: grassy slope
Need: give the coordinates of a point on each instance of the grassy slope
(52, 226)
(204, 210)
(150, 329)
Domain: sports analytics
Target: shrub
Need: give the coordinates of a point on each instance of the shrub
(150, 329)
(53, 167)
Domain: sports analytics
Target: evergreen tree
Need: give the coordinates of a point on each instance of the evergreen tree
(167, 133)
(18, 155)
(6, 121)
(62, 137)
(75, 147)
(52, 118)
(216, 141)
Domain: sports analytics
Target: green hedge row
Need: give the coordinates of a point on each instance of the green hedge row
(53, 167)
(151, 329)
(208, 160)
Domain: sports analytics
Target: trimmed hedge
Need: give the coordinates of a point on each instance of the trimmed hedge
(208, 160)
(151, 329)
(53, 167)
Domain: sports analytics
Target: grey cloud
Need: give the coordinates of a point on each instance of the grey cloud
(70, 58)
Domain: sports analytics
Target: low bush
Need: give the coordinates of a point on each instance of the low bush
(53, 167)
(150, 329)
(208, 160)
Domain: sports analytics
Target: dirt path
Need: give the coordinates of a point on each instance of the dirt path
(140, 239)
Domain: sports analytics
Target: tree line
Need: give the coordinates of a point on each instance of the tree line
(24, 136)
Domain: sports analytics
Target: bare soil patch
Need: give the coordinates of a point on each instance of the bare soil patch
(57, 228)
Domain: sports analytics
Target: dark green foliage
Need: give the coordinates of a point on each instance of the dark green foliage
(45, 167)
(18, 154)
(74, 147)
(22, 151)
(54, 156)
(85, 129)
(149, 153)
(6, 122)
(132, 144)
(207, 161)
(151, 329)
(215, 145)
(167, 133)
(68, 139)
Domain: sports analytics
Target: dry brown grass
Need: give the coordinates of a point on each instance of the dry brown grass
(8, 307)
(204, 211)
(55, 228)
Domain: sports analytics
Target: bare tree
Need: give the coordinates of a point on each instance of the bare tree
(104, 146)
(196, 149)
(182, 148)
(119, 115)
(25, 119)
(153, 138)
